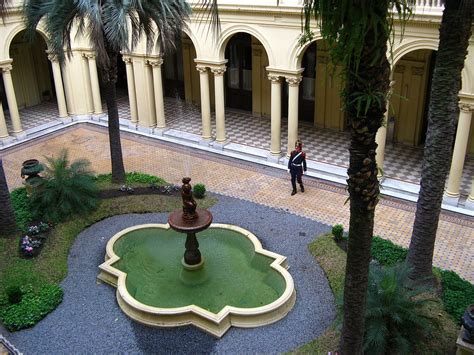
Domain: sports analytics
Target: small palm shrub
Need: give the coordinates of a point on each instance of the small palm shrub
(396, 319)
(66, 190)
(337, 232)
(199, 190)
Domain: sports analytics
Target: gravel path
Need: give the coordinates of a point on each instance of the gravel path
(90, 321)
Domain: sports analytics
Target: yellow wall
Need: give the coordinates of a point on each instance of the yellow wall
(409, 96)
(30, 74)
(261, 86)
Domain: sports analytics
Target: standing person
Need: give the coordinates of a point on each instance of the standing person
(297, 165)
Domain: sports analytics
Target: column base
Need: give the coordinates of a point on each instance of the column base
(6, 140)
(220, 145)
(469, 204)
(145, 129)
(274, 158)
(159, 131)
(19, 135)
(451, 200)
(65, 119)
(206, 142)
(133, 125)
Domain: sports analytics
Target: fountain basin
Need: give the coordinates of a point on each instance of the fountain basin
(154, 289)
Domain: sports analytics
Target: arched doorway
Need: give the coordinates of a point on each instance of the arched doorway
(238, 78)
(307, 92)
(32, 73)
(408, 111)
(173, 72)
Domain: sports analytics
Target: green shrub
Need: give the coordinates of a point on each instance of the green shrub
(67, 189)
(133, 177)
(33, 307)
(387, 253)
(14, 294)
(457, 294)
(199, 190)
(396, 320)
(22, 208)
(338, 232)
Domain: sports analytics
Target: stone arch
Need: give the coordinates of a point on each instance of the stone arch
(227, 34)
(297, 51)
(194, 40)
(467, 79)
(410, 46)
(15, 31)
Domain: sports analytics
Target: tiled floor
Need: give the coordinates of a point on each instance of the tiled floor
(401, 162)
(321, 201)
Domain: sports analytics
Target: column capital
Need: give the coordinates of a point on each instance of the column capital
(51, 56)
(274, 78)
(127, 59)
(466, 107)
(201, 68)
(89, 55)
(6, 68)
(293, 80)
(218, 71)
(155, 62)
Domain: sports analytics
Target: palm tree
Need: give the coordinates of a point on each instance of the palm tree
(454, 36)
(108, 24)
(358, 32)
(7, 217)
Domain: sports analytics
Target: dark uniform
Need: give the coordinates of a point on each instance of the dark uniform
(296, 166)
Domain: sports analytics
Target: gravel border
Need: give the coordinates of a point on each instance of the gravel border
(90, 321)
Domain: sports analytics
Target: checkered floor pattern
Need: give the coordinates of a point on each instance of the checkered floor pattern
(401, 162)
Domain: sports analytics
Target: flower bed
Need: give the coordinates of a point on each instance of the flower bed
(32, 242)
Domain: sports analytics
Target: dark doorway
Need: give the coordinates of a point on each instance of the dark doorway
(173, 72)
(238, 77)
(307, 94)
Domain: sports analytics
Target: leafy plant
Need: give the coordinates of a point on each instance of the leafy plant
(386, 253)
(33, 307)
(133, 177)
(457, 294)
(22, 208)
(199, 190)
(338, 232)
(396, 320)
(14, 294)
(66, 190)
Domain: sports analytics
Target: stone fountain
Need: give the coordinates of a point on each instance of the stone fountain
(190, 220)
(241, 284)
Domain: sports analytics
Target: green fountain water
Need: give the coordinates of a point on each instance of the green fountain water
(233, 274)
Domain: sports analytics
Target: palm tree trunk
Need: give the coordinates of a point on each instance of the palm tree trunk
(109, 80)
(363, 185)
(455, 31)
(7, 217)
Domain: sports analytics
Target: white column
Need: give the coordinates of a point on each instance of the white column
(293, 83)
(275, 145)
(3, 124)
(470, 199)
(131, 89)
(459, 154)
(94, 83)
(158, 90)
(11, 99)
(380, 139)
(381, 136)
(205, 102)
(58, 85)
(220, 102)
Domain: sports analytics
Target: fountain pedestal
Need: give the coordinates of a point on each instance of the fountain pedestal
(192, 259)
(190, 220)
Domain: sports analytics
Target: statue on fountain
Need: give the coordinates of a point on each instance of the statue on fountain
(189, 205)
